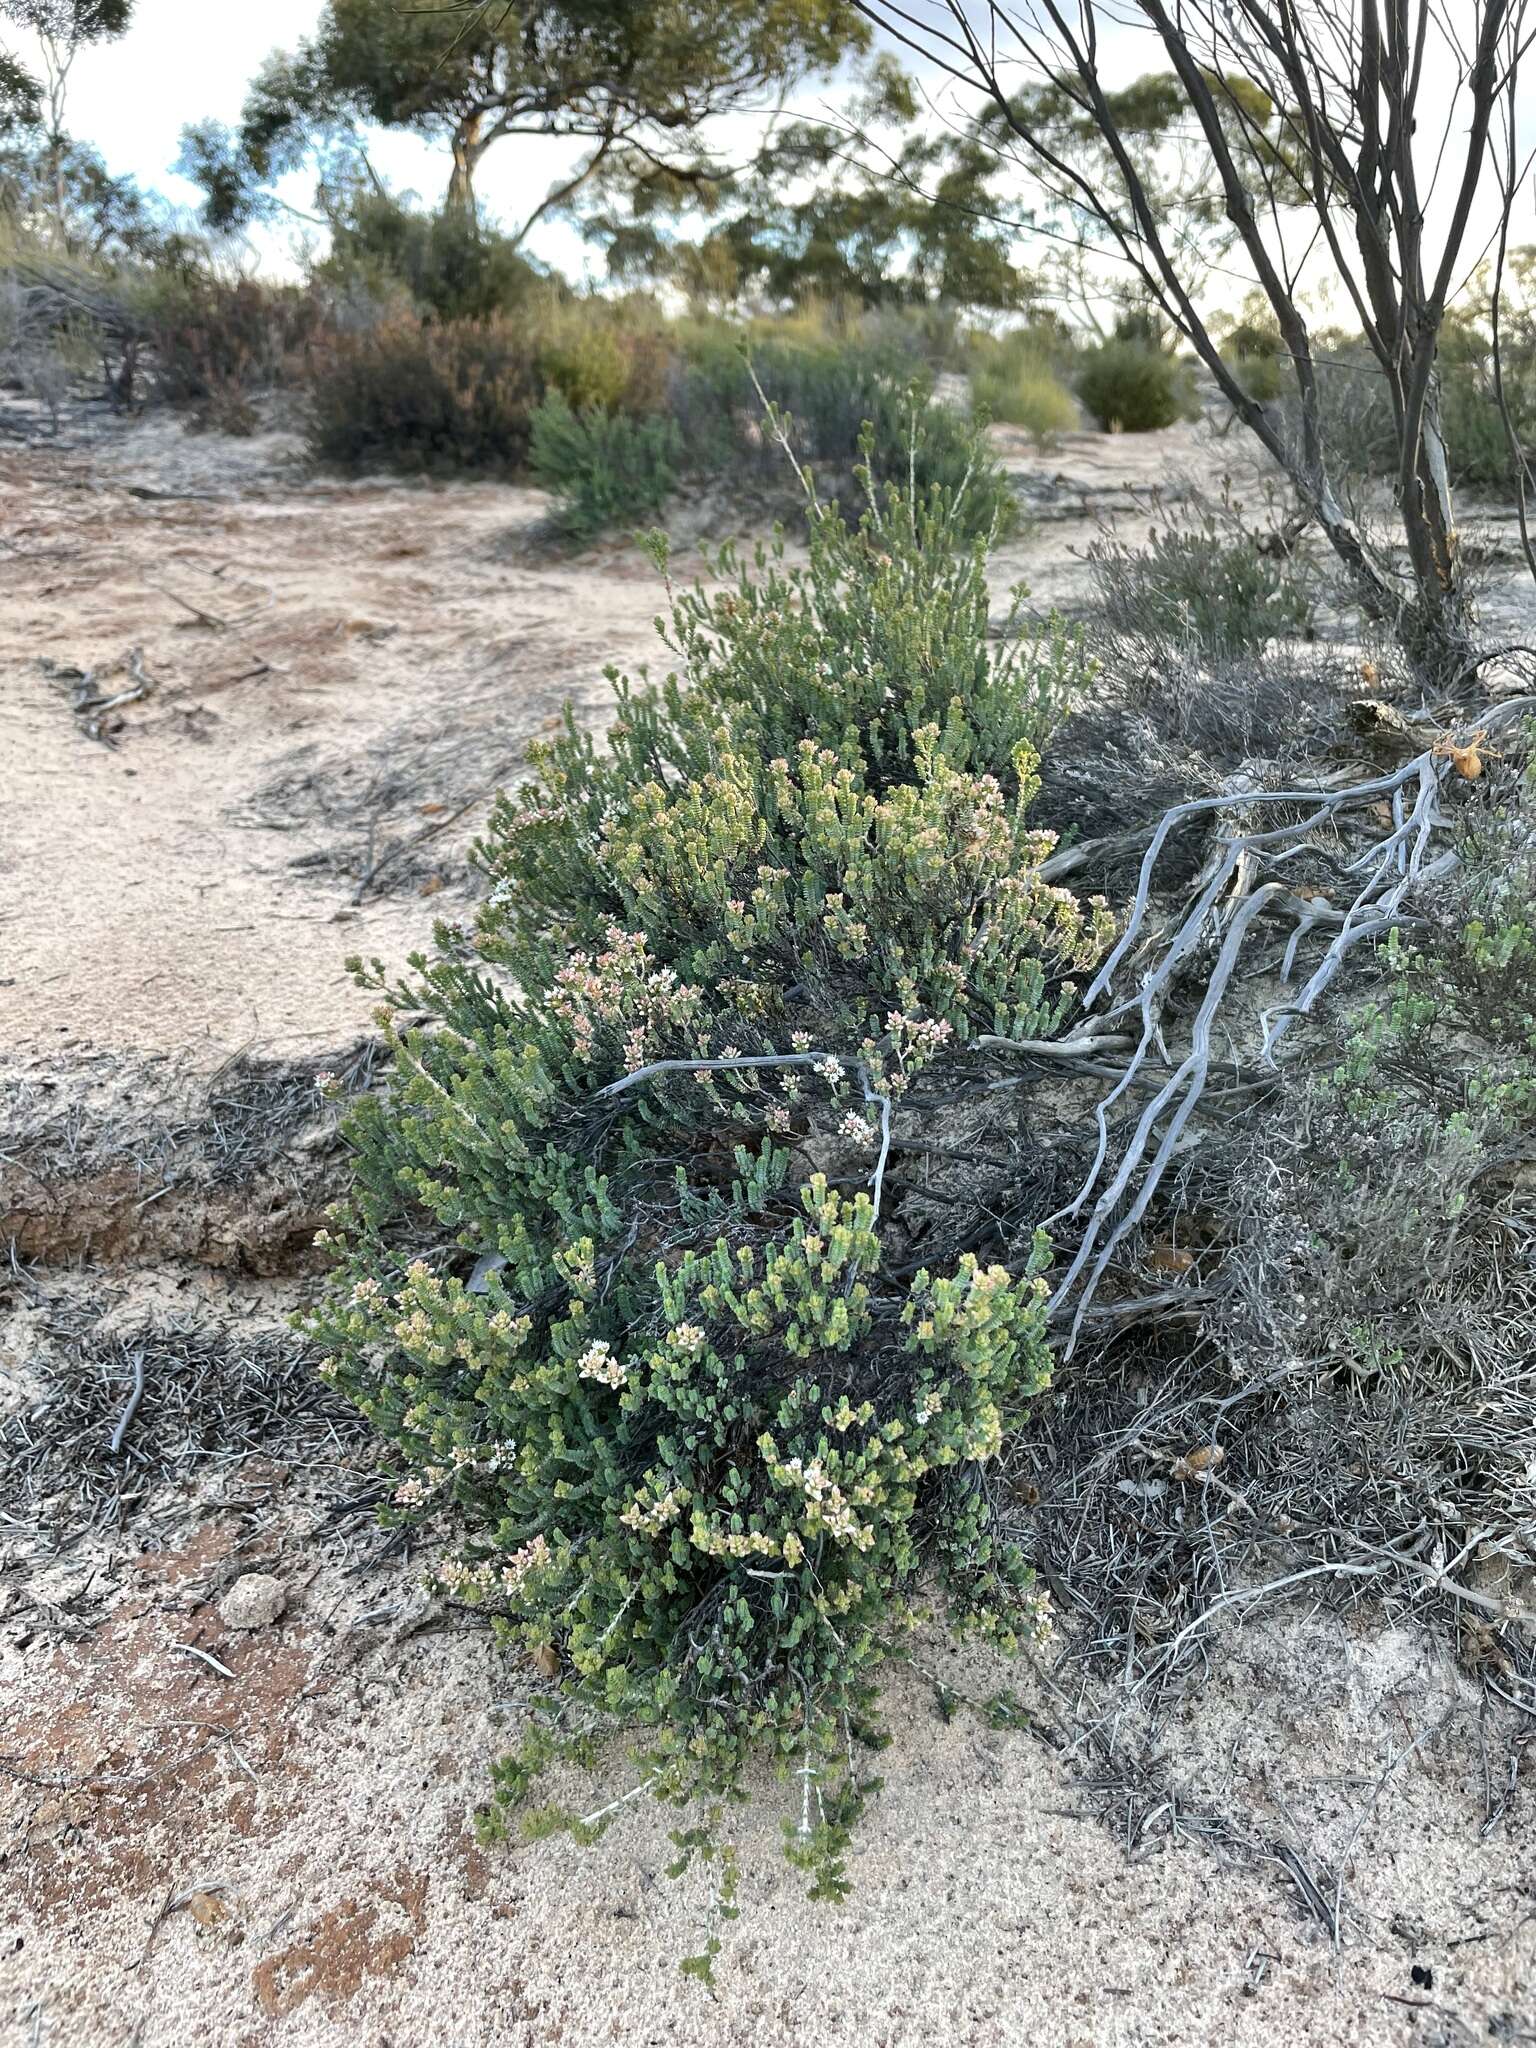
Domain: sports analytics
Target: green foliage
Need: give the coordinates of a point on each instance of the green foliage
(1419, 1131)
(446, 264)
(611, 356)
(1356, 400)
(695, 1430)
(1182, 186)
(1458, 1026)
(805, 221)
(1015, 380)
(622, 414)
(603, 469)
(63, 28)
(879, 644)
(1473, 428)
(407, 396)
(1206, 585)
(212, 339)
(841, 405)
(1254, 350)
(1131, 388)
(626, 79)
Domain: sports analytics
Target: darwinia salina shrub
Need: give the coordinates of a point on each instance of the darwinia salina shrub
(639, 1329)
(881, 636)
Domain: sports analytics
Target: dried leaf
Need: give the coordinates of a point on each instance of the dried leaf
(1198, 1463)
(1170, 1258)
(547, 1658)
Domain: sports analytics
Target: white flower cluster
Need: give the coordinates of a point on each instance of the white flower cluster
(829, 1508)
(620, 987)
(648, 1518)
(531, 1558)
(597, 1362)
(856, 1128)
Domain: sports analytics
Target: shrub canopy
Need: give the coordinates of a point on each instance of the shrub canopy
(615, 1279)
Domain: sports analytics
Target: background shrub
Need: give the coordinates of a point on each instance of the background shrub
(840, 408)
(1207, 586)
(205, 338)
(615, 356)
(463, 396)
(1264, 377)
(1015, 381)
(1132, 388)
(1355, 404)
(1478, 446)
(414, 397)
(449, 265)
(604, 469)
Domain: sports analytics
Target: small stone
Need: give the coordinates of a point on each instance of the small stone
(252, 1601)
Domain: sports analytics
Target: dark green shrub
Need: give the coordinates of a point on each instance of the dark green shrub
(1132, 388)
(1256, 354)
(1476, 443)
(1264, 377)
(708, 1427)
(408, 396)
(603, 469)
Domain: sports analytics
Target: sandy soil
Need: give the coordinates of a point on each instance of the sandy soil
(1325, 1839)
(338, 670)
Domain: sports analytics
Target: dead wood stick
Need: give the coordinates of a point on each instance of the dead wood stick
(130, 1408)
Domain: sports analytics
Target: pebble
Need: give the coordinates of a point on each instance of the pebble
(252, 1601)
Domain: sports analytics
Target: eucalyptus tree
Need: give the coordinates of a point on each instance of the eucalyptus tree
(637, 85)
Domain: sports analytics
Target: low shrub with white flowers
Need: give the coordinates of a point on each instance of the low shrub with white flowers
(631, 1277)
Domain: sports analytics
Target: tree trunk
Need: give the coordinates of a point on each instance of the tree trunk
(468, 148)
(1439, 630)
